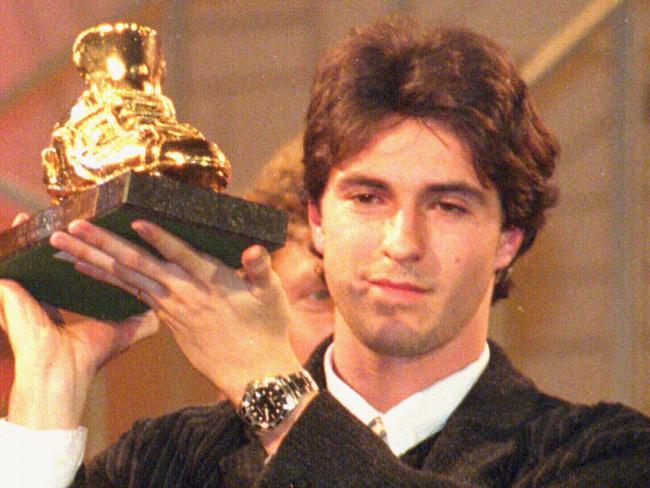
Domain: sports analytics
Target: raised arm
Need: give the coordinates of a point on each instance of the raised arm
(55, 364)
(230, 324)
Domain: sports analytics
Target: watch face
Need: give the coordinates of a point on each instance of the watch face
(267, 405)
(268, 402)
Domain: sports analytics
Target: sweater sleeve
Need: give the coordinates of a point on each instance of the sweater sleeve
(328, 447)
(185, 448)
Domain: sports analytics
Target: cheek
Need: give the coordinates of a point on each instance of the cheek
(346, 255)
(469, 258)
(345, 234)
(340, 275)
(474, 267)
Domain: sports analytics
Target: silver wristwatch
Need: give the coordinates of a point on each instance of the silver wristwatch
(266, 403)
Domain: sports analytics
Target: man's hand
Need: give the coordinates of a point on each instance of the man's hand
(230, 324)
(55, 365)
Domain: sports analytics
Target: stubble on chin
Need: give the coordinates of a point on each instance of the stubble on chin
(395, 338)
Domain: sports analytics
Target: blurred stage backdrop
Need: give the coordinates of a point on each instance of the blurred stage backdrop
(578, 320)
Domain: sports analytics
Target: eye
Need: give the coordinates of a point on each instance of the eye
(452, 207)
(366, 198)
(320, 295)
(317, 301)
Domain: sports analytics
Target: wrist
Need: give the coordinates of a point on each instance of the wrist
(283, 364)
(45, 405)
(271, 406)
(273, 439)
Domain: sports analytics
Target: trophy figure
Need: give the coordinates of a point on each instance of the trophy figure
(120, 156)
(123, 122)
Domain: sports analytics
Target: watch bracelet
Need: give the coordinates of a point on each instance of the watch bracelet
(295, 385)
(301, 383)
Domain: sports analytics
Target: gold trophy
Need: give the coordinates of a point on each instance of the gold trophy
(123, 122)
(122, 155)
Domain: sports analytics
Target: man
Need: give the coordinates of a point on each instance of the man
(427, 169)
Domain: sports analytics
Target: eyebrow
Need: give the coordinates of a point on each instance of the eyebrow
(360, 180)
(457, 188)
(435, 189)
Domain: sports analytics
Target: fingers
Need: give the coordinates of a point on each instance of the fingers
(111, 259)
(184, 279)
(204, 269)
(101, 275)
(171, 247)
(20, 218)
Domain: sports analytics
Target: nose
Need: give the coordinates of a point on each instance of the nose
(403, 236)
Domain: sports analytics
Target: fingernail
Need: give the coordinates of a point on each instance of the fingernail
(78, 227)
(141, 228)
(57, 238)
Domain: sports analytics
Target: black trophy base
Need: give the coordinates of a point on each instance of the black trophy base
(215, 223)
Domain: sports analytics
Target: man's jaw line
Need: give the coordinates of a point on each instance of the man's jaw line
(372, 374)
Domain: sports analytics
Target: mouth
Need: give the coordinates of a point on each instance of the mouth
(398, 289)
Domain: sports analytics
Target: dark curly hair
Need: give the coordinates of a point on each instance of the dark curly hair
(393, 70)
(280, 185)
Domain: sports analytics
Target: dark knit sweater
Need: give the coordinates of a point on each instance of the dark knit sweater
(505, 433)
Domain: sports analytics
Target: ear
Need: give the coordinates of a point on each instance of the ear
(509, 244)
(315, 225)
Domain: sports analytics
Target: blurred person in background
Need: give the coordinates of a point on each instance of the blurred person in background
(298, 266)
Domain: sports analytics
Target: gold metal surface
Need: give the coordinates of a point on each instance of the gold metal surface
(122, 122)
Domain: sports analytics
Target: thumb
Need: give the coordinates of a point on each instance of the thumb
(130, 331)
(142, 326)
(17, 308)
(256, 262)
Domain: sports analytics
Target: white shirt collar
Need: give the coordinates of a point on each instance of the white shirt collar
(416, 417)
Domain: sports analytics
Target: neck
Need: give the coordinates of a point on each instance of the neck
(384, 381)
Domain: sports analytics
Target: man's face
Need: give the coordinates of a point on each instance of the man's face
(411, 241)
(312, 309)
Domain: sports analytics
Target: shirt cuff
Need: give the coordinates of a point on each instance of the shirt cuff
(37, 458)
